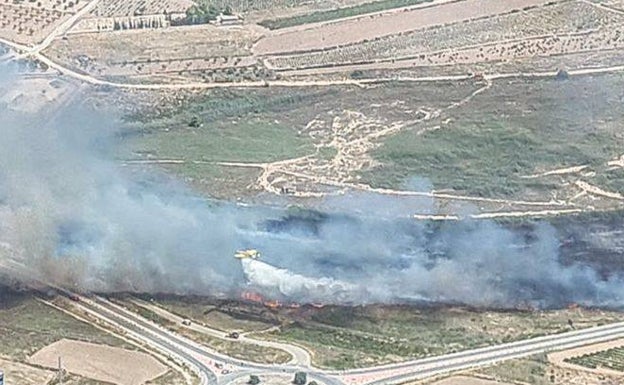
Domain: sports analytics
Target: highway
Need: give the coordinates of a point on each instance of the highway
(190, 351)
(300, 356)
(165, 345)
(207, 363)
(419, 369)
(385, 374)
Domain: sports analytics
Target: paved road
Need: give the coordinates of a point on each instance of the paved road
(428, 367)
(186, 348)
(300, 356)
(202, 359)
(161, 343)
(386, 374)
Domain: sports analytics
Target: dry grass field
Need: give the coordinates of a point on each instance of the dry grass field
(100, 362)
(177, 52)
(22, 374)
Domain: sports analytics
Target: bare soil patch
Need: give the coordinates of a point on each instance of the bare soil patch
(466, 380)
(354, 30)
(100, 362)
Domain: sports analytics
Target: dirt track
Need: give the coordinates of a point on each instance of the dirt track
(351, 31)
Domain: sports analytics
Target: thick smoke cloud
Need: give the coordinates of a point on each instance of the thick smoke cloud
(73, 215)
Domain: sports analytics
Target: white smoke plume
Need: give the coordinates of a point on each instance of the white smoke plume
(281, 282)
(72, 214)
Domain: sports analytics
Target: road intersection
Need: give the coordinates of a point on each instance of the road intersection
(218, 369)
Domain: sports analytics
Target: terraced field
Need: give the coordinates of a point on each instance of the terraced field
(610, 359)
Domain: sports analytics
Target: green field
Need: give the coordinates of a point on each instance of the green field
(218, 127)
(256, 125)
(251, 141)
(610, 359)
(514, 129)
(484, 147)
(339, 13)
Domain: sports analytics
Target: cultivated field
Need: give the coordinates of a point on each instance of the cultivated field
(100, 362)
(113, 8)
(29, 21)
(605, 358)
(339, 13)
(341, 33)
(489, 39)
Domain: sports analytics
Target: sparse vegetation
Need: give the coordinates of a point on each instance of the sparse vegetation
(510, 131)
(531, 370)
(172, 377)
(27, 325)
(231, 348)
(220, 316)
(343, 337)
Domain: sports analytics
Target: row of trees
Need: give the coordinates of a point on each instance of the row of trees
(203, 12)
